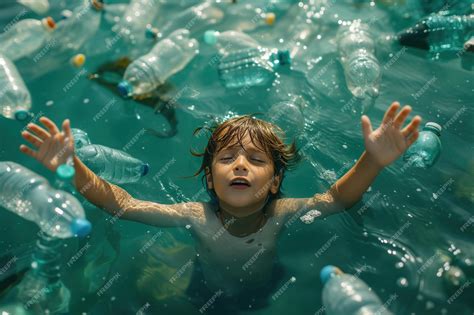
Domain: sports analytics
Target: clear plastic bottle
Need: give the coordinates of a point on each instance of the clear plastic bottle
(427, 148)
(244, 62)
(288, 115)
(347, 295)
(38, 6)
(29, 195)
(112, 165)
(73, 32)
(15, 99)
(357, 54)
(138, 14)
(194, 19)
(81, 138)
(167, 57)
(439, 33)
(25, 37)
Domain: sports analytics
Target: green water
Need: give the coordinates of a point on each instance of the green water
(410, 217)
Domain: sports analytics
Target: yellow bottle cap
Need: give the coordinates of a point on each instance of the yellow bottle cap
(270, 18)
(78, 60)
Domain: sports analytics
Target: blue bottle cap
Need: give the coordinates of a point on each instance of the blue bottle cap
(328, 272)
(210, 37)
(125, 89)
(151, 32)
(81, 227)
(145, 169)
(284, 57)
(21, 114)
(65, 172)
(66, 14)
(432, 126)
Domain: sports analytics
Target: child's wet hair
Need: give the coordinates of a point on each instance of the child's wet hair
(264, 135)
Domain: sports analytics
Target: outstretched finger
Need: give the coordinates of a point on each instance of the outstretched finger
(366, 126)
(412, 138)
(34, 140)
(390, 113)
(28, 151)
(53, 129)
(67, 128)
(40, 132)
(412, 126)
(402, 116)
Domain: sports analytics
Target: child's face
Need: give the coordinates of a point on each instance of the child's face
(255, 166)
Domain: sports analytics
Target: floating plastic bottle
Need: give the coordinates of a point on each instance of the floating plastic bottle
(137, 16)
(439, 33)
(29, 195)
(195, 19)
(427, 148)
(112, 165)
(361, 67)
(244, 62)
(347, 295)
(72, 33)
(64, 178)
(246, 16)
(167, 57)
(81, 138)
(37, 6)
(25, 37)
(15, 99)
(288, 115)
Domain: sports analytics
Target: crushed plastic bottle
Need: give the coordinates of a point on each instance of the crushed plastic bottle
(427, 148)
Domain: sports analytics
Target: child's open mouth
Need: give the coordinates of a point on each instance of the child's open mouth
(240, 183)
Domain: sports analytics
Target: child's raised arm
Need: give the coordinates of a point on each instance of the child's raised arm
(382, 146)
(55, 147)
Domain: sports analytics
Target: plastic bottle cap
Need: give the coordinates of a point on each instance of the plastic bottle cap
(81, 227)
(97, 4)
(151, 32)
(270, 18)
(21, 114)
(66, 14)
(78, 60)
(49, 23)
(65, 172)
(124, 88)
(210, 37)
(145, 169)
(432, 126)
(328, 272)
(284, 57)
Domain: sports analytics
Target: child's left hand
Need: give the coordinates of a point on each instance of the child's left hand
(389, 141)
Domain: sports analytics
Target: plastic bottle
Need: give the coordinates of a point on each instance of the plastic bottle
(439, 33)
(167, 57)
(244, 62)
(288, 115)
(427, 148)
(357, 54)
(347, 295)
(112, 165)
(64, 178)
(25, 37)
(137, 16)
(29, 195)
(38, 6)
(15, 99)
(194, 19)
(73, 32)
(81, 138)
(246, 16)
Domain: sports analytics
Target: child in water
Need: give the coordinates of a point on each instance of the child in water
(244, 163)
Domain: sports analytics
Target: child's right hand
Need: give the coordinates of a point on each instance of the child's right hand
(54, 147)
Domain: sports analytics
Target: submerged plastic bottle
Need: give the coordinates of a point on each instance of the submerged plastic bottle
(138, 14)
(15, 99)
(167, 57)
(81, 138)
(439, 33)
(73, 32)
(57, 213)
(427, 148)
(38, 6)
(244, 62)
(357, 54)
(25, 37)
(347, 295)
(288, 115)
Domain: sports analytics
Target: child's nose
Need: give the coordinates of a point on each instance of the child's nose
(240, 162)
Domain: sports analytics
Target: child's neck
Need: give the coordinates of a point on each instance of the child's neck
(242, 226)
